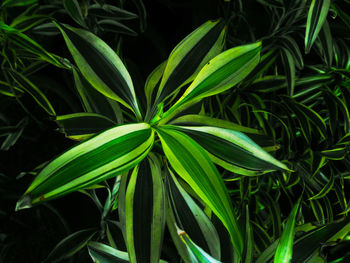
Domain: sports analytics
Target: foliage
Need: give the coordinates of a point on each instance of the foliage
(236, 150)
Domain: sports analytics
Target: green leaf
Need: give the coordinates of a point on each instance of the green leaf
(192, 163)
(284, 250)
(202, 120)
(316, 16)
(29, 45)
(110, 25)
(29, 87)
(110, 11)
(73, 9)
(104, 156)
(13, 134)
(326, 188)
(197, 254)
(233, 150)
(101, 66)
(94, 101)
(70, 245)
(190, 55)
(145, 212)
(83, 125)
(191, 218)
(219, 74)
(153, 81)
(12, 3)
(289, 68)
(102, 253)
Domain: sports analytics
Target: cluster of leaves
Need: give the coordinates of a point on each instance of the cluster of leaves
(239, 153)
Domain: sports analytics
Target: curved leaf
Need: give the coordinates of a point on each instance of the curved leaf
(104, 156)
(101, 66)
(317, 15)
(233, 150)
(219, 74)
(192, 163)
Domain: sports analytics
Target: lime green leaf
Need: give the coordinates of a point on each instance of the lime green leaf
(101, 66)
(233, 150)
(152, 82)
(83, 124)
(190, 55)
(202, 120)
(70, 245)
(191, 218)
(29, 45)
(29, 87)
(197, 254)
(284, 248)
(104, 156)
(317, 15)
(219, 74)
(326, 188)
(145, 212)
(192, 163)
(73, 9)
(102, 253)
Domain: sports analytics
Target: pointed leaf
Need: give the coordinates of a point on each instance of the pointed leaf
(192, 163)
(191, 218)
(190, 55)
(83, 124)
(233, 150)
(101, 66)
(284, 248)
(219, 74)
(317, 15)
(145, 212)
(104, 156)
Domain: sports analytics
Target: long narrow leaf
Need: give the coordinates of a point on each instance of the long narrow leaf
(104, 156)
(192, 163)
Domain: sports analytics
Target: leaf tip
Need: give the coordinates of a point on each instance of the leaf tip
(23, 203)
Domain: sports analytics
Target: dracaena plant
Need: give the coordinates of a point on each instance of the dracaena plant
(165, 169)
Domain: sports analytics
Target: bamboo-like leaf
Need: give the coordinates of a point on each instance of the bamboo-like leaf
(326, 188)
(233, 150)
(290, 44)
(104, 156)
(110, 11)
(190, 55)
(191, 218)
(102, 253)
(202, 120)
(289, 68)
(94, 101)
(192, 163)
(110, 25)
(83, 125)
(29, 45)
(197, 254)
(317, 15)
(153, 81)
(70, 245)
(219, 74)
(26, 85)
(249, 238)
(145, 212)
(101, 66)
(284, 250)
(73, 9)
